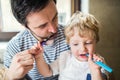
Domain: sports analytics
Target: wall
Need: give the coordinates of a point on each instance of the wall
(108, 13)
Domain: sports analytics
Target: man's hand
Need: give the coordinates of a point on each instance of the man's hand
(22, 62)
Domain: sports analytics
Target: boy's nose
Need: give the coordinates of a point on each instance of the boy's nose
(82, 48)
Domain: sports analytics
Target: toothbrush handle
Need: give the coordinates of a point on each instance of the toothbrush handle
(101, 64)
(104, 66)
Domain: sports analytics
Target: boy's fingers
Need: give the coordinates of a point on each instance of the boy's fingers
(40, 46)
(90, 57)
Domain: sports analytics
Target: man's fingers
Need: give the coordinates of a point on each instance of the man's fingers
(27, 62)
(24, 56)
(27, 68)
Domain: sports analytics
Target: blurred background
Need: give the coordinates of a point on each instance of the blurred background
(106, 11)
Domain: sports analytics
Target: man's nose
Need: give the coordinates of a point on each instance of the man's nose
(52, 28)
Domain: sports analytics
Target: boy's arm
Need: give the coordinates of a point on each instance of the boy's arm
(97, 75)
(41, 64)
(43, 67)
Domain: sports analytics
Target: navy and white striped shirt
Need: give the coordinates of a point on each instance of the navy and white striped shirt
(25, 40)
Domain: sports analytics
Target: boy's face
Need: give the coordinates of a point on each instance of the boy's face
(81, 45)
(43, 24)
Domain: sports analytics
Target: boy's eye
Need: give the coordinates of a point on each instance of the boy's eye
(88, 43)
(75, 44)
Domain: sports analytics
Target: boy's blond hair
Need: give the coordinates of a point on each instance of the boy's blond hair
(85, 23)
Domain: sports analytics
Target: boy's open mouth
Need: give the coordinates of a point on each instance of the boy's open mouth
(82, 54)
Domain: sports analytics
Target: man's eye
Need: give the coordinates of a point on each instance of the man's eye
(43, 26)
(55, 19)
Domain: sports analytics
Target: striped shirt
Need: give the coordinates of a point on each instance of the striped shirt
(25, 40)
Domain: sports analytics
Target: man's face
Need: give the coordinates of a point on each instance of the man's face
(43, 24)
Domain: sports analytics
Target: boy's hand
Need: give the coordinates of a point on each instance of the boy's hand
(37, 50)
(92, 64)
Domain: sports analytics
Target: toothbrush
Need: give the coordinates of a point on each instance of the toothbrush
(44, 41)
(101, 64)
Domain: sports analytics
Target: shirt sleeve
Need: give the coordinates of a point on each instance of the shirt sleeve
(11, 50)
(55, 67)
(59, 64)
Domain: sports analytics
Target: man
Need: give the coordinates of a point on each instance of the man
(41, 22)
